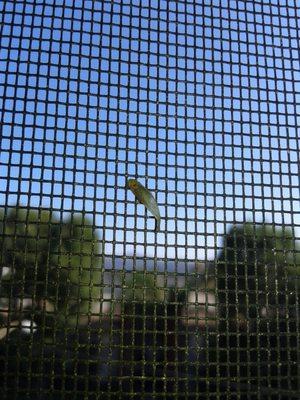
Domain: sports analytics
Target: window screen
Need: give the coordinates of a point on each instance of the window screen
(199, 102)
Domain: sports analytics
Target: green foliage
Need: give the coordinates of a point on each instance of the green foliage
(26, 246)
(49, 260)
(144, 287)
(76, 265)
(254, 270)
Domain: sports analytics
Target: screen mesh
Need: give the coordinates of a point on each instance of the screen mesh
(199, 102)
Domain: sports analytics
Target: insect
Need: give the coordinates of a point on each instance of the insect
(145, 197)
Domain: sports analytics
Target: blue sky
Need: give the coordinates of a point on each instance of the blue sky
(197, 100)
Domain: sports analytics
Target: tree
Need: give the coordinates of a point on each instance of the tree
(254, 271)
(141, 286)
(50, 275)
(26, 247)
(75, 267)
(256, 296)
(53, 263)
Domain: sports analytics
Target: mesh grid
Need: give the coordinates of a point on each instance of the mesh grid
(199, 101)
